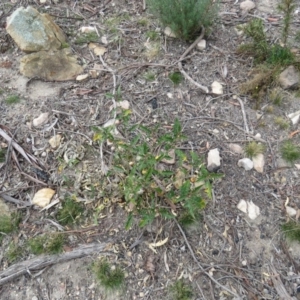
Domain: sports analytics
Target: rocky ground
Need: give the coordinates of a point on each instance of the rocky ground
(225, 256)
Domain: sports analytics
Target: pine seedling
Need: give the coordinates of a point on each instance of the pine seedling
(287, 7)
(291, 230)
(290, 152)
(185, 17)
(12, 99)
(110, 278)
(176, 77)
(70, 211)
(282, 123)
(181, 291)
(253, 148)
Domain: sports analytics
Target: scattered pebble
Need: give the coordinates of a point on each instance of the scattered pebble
(246, 163)
(213, 160)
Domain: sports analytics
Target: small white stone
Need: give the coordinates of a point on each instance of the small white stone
(217, 88)
(168, 32)
(213, 160)
(295, 117)
(236, 148)
(291, 211)
(246, 163)
(82, 77)
(42, 2)
(259, 162)
(201, 45)
(258, 135)
(247, 5)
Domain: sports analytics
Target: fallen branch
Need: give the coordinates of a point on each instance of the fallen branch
(40, 262)
(187, 51)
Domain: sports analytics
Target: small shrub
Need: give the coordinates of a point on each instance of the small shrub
(290, 152)
(181, 291)
(69, 212)
(110, 278)
(176, 77)
(12, 99)
(185, 17)
(253, 148)
(291, 230)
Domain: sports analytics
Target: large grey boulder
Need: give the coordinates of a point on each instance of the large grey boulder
(33, 31)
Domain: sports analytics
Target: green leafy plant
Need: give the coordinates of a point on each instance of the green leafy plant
(287, 7)
(291, 230)
(70, 211)
(282, 123)
(290, 152)
(181, 291)
(12, 99)
(185, 17)
(147, 182)
(253, 148)
(110, 278)
(176, 77)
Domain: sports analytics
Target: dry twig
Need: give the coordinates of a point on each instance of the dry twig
(38, 263)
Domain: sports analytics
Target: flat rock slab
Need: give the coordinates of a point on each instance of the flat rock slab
(53, 66)
(33, 31)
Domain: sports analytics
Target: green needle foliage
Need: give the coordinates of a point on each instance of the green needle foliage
(48, 244)
(252, 149)
(111, 279)
(291, 230)
(2, 155)
(69, 212)
(181, 291)
(12, 99)
(287, 7)
(290, 152)
(176, 77)
(185, 17)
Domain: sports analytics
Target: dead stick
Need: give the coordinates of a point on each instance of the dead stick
(40, 262)
(187, 51)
